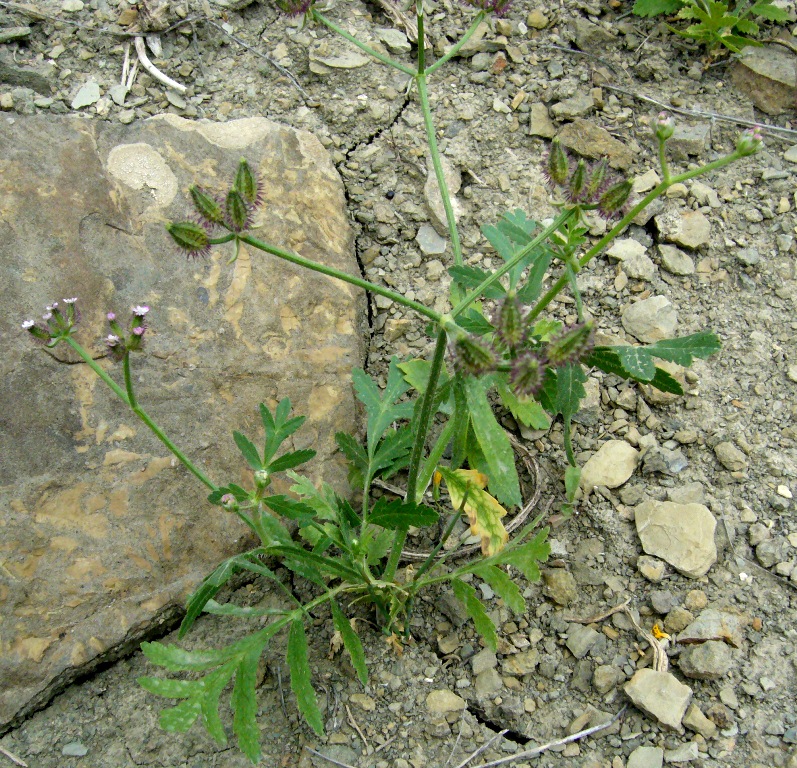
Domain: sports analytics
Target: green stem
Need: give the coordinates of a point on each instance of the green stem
(659, 190)
(140, 412)
(131, 395)
(480, 16)
(418, 446)
(430, 561)
(437, 163)
(366, 285)
(362, 46)
(663, 164)
(432, 460)
(477, 292)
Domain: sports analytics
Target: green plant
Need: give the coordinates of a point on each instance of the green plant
(717, 23)
(350, 551)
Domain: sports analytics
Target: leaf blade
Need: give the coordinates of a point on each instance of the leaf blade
(299, 666)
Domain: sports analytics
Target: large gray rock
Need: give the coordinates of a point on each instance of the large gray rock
(767, 76)
(103, 533)
(660, 695)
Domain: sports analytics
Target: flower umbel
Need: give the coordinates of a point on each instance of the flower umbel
(750, 141)
(120, 343)
(57, 325)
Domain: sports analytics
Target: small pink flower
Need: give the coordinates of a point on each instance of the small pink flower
(140, 310)
(28, 324)
(111, 316)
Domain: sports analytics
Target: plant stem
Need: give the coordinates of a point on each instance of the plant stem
(426, 472)
(477, 292)
(362, 46)
(624, 222)
(366, 285)
(480, 16)
(139, 411)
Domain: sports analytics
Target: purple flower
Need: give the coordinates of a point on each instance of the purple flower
(111, 316)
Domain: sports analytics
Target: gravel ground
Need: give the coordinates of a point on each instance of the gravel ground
(728, 444)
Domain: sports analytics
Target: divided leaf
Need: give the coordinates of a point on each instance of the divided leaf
(244, 705)
(527, 556)
(503, 586)
(483, 511)
(466, 594)
(299, 667)
(351, 642)
(470, 278)
(399, 514)
(247, 448)
(656, 7)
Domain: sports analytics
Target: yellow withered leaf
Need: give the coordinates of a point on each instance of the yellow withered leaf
(483, 511)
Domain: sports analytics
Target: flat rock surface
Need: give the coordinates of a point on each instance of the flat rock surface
(102, 531)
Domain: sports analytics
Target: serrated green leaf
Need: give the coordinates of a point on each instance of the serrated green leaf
(379, 545)
(393, 449)
(664, 382)
(299, 667)
(325, 564)
(278, 427)
(400, 514)
(382, 408)
(503, 586)
(747, 27)
(322, 499)
(176, 659)
(244, 705)
(527, 556)
(351, 642)
(494, 444)
(240, 611)
(214, 685)
(526, 410)
(570, 391)
(656, 7)
(271, 531)
(172, 689)
(180, 718)
(247, 448)
(474, 322)
(470, 278)
(572, 480)
(517, 226)
(466, 594)
(291, 460)
(767, 10)
(352, 450)
(210, 585)
(637, 362)
(285, 506)
(683, 349)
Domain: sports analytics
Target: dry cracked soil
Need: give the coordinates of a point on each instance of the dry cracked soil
(728, 444)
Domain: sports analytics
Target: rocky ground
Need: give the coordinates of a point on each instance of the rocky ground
(700, 540)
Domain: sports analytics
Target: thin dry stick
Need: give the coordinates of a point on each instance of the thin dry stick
(771, 129)
(141, 51)
(545, 747)
(11, 756)
(356, 727)
(456, 743)
(483, 747)
(386, 744)
(328, 759)
(598, 616)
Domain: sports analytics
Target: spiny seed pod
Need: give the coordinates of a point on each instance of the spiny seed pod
(229, 502)
(246, 183)
(508, 322)
(597, 177)
(237, 211)
(577, 181)
(294, 7)
(472, 356)
(558, 164)
(570, 345)
(191, 237)
(207, 207)
(664, 126)
(750, 142)
(527, 375)
(614, 198)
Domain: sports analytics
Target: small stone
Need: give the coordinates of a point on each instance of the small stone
(540, 123)
(118, 93)
(689, 493)
(646, 182)
(691, 229)
(126, 116)
(560, 585)
(767, 684)
(728, 697)
(650, 320)
(611, 466)
(730, 457)
(712, 624)
(6, 102)
(363, 701)
(487, 683)
(429, 241)
(680, 534)
(659, 695)
(783, 490)
(646, 757)
(696, 721)
(592, 37)
(537, 19)
(662, 600)
(695, 600)
(88, 94)
(72, 6)
(395, 40)
(75, 748)
(749, 257)
(448, 644)
(705, 195)
(707, 661)
(9, 34)
(675, 261)
(678, 619)
(580, 640)
(520, 664)
(636, 263)
(651, 568)
(688, 139)
(577, 106)
(589, 140)
(484, 659)
(606, 677)
(683, 753)
(442, 701)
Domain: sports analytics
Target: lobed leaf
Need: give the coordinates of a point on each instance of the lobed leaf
(466, 594)
(176, 659)
(398, 514)
(285, 506)
(494, 444)
(171, 688)
(392, 451)
(503, 586)
(350, 641)
(527, 556)
(247, 448)
(656, 7)
(291, 460)
(526, 410)
(470, 278)
(352, 450)
(180, 718)
(244, 705)
(299, 667)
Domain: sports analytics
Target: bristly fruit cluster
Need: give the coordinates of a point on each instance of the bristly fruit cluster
(235, 213)
(588, 186)
(517, 346)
